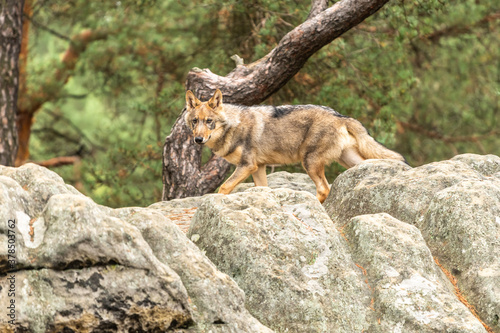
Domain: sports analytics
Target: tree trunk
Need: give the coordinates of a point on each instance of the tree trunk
(11, 12)
(183, 173)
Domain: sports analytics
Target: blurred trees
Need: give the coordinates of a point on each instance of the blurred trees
(423, 77)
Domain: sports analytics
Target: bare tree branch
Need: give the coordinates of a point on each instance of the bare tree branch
(253, 83)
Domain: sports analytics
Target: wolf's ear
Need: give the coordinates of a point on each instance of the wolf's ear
(191, 100)
(216, 100)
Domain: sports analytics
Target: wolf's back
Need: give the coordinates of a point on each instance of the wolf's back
(368, 147)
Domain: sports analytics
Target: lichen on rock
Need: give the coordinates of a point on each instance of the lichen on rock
(393, 249)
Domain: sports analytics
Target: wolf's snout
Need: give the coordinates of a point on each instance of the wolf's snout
(198, 139)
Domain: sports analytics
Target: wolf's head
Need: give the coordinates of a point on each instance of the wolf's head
(204, 117)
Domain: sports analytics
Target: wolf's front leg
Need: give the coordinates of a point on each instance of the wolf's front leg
(240, 174)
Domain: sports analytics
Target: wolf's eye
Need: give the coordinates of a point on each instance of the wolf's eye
(195, 121)
(209, 121)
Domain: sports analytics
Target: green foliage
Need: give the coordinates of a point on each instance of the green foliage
(422, 76)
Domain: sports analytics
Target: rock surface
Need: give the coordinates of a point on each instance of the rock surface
(393, 249)
(87, 268)
(283, 179)
(179, 211)
(217, 301)
(456, 206)
(410, 293)
(280, 247)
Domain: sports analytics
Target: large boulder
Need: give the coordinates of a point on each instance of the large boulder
(410, 292)
(281, 249)
(301, 275)
(456, 206)
(218, 303)
(111, 298)
(462, 228)
(393, 249)
(81, 267)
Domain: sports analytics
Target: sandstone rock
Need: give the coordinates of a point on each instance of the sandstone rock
(455, 204)
(283, 179)
(168, 206)
(218, 303)
(73, 242)
(462, 228)
(109, 298)
(179, 211)
(281, 249)
(377, 186)
(410, 293)
(39, 183)
(84, 267)
(486, 165)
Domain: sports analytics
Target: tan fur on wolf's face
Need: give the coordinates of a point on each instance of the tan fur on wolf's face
(202, 117)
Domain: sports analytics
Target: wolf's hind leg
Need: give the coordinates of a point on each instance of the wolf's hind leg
(259, 176)
(350, 157)
(240, 174)
(317, 173)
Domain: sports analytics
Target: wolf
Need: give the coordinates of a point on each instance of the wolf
(252, 137)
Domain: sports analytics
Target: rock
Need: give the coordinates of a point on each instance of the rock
(426, 251)
(85, 267)
(179, 211)
(462, 228)
(455, 204)
(377, 186)
(73, 231)
(73, 242)
(486, 165)
(109, 298)
(283, 179)
(410, 293)
(218, 303)
(167, 206)
(281, 249)
(39, 183)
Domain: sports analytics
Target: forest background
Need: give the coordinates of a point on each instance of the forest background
(102, 82)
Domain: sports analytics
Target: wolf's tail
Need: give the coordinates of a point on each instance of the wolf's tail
(367, 146)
